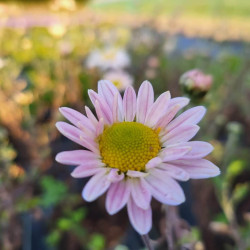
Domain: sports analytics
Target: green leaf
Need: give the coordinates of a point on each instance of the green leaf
(97, 242)
(240, 192)
(235, 168)
(53, 238)
(54, 191)
(220, 218)
(64, 224)
(78, 214)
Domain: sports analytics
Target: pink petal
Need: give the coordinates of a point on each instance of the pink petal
(102, 108)
(191, 116)
(87, 168)
(168, 116)
(164, 188)
(180, 134)
(198, 168)
(96, 186)
(174, 152)
(76, 135)
(200, 149)
(129, 104)
(108, 91)
(158, 109)
(153, 162)
(91, 116)
(141, 219)
(99, 127)
(117, 196)
(135, 174)
(115, 109)
(90, 144)
(175, 172)
(75, 157)
(76, 118)
(181, 101)
(145, 100)
(113, 175)
(140, 192)
(70, 131)
(100, 113)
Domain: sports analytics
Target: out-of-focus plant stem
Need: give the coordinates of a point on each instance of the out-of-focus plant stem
(234, 131)
(219, 119)
(169, 226)
(147, 242)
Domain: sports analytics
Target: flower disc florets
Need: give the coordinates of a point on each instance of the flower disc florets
(128, 146)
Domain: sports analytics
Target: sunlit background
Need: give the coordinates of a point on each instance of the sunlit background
(52, 52)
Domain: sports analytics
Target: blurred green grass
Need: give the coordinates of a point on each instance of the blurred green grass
(227, 9)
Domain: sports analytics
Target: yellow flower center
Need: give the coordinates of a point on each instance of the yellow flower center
(109, 55)
(117, 83)
(128, 146)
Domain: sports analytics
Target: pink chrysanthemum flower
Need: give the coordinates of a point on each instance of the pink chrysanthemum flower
(135, 149)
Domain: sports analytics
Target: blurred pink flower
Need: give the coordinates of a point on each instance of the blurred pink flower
(135, 149)
(150, 73)
(65, 48)
(120, 79)
(196, 80)
(153, 62)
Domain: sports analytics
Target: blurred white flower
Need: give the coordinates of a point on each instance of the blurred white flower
(108, 58)
(57, 30)
(24, 98)
(120, 79)
(145, 37)
(69, 5)
(3, 62)
(170, 45)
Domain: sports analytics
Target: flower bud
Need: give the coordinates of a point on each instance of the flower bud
(195, 83)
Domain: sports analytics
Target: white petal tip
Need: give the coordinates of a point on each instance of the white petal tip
(58, 158)
(136, 174)
(210, 147)
(74, 175)
(216, 172)
(202, 110)
(90, 92)
(111, 212)
(168, 94)
(59, 125)
(210, 174)
(147, 82)
(186, 100)
(61, 109)
(176, 202)
(87, 198)
(143, 232)
(154, 162)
